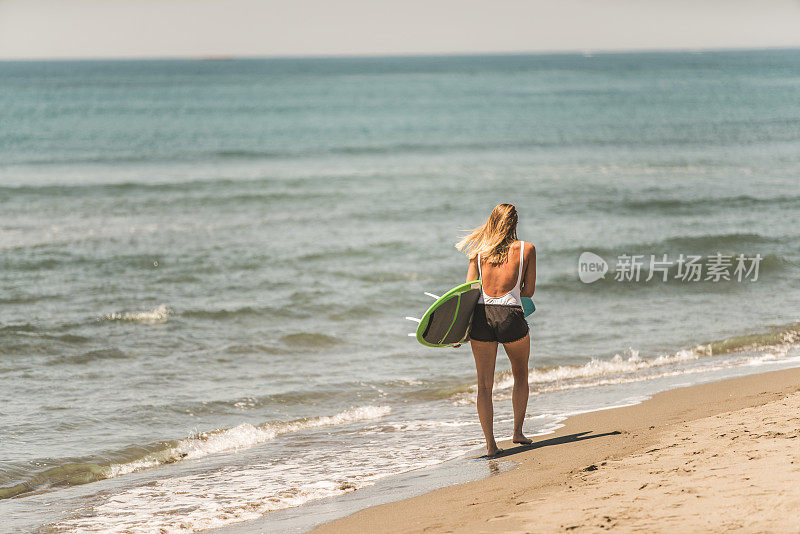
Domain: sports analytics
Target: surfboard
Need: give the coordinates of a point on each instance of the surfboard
(528, 307)
(447, 321)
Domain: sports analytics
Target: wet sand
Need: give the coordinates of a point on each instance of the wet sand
(712, 457)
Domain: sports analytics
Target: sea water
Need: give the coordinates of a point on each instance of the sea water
(205, 265)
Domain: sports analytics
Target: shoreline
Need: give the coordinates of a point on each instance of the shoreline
(559, 462)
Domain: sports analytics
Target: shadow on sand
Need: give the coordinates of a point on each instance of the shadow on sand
(560, 440)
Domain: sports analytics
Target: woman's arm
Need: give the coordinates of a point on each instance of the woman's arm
(472, 270)
(529, 276)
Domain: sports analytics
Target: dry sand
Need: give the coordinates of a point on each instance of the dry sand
(716, 457)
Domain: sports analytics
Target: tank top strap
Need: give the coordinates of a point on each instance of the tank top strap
(521, 262)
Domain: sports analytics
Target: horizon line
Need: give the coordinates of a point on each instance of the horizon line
(575, 51)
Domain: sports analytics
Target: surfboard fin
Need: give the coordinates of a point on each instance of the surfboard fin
(413, 319)
(431, 295)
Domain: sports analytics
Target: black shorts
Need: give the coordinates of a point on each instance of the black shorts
(495, 322)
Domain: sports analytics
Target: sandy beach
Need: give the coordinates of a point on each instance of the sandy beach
(207, 268)
(723, 456)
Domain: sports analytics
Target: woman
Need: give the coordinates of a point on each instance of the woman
(507, 268)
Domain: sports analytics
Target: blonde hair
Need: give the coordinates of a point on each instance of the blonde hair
(493, 238)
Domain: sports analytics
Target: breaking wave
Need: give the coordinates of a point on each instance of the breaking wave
(71, 471)
(156, 315)
(630, 367)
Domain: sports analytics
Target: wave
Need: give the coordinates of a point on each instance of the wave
(310, 340)
(349, 252)
(260, 154)
(629, 366)
(705, 241)
(156, 315)
(391, 276)
(111, 353)
(220, 314)
(692, 205)
(355, 312)
(218, 189)
(254, 348)
(341, 393)
(25, 327)
(68, 338)
(686, 244)
(72, 471)
(651, 375)
(676, 137)
(224, 314)
(779, 337)
(27, 299)
(330, 395)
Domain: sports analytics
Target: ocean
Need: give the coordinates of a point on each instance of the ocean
(205, 265)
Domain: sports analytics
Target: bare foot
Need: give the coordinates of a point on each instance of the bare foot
(493, 451)
(522, 440)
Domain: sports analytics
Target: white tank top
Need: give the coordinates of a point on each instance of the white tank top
(512, 298)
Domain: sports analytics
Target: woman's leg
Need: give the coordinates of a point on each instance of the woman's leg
(519, 352)
(485, 353)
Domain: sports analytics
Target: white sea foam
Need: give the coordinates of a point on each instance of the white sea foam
(630, 362)
(156, 315)
(240, 491)
(631, 368)
(242, 436)
(619, 364)
(412, 426)
(245, 491)
(188, 504)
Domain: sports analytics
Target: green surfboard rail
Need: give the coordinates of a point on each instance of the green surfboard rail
(456, 292)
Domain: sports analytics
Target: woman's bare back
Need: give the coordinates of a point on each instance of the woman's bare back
(499, 279)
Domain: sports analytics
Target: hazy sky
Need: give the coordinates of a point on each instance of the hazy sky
(159, 28)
